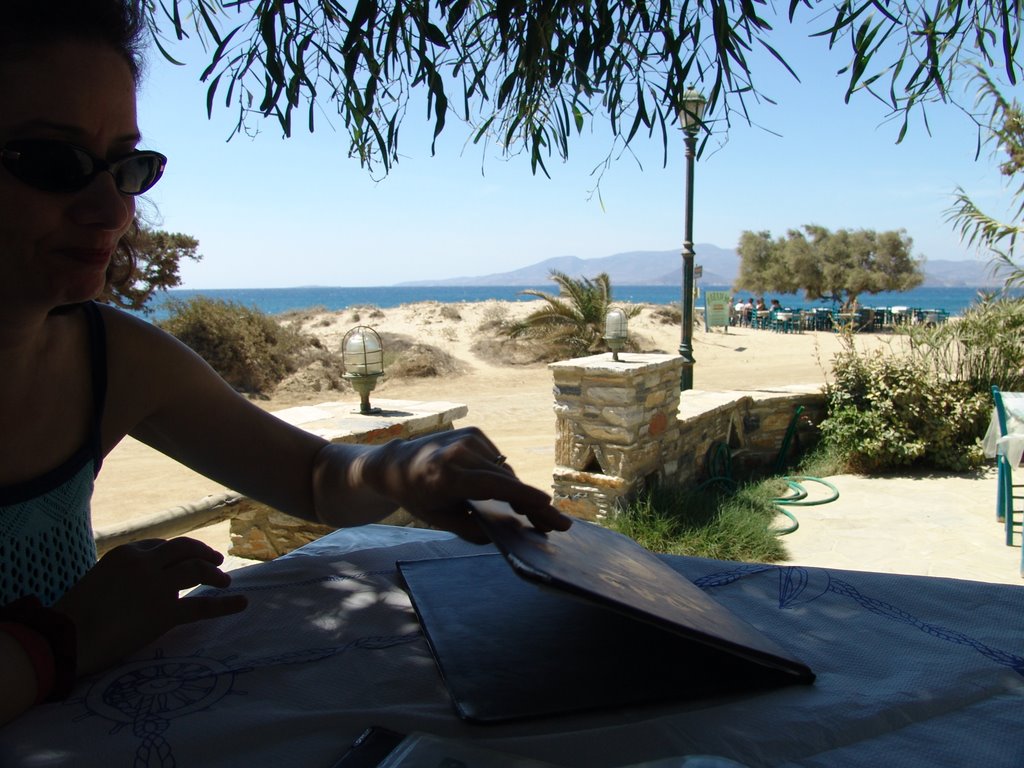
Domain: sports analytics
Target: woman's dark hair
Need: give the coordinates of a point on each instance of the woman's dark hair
(119, 24)
(27, 24)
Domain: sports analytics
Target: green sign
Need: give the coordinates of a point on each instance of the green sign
(716, 309)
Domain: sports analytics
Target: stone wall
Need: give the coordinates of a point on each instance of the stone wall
(622, 425)
(752, 424)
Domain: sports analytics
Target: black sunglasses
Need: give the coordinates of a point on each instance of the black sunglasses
(59, 166)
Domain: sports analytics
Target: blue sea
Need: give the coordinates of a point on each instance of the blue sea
(277, 300)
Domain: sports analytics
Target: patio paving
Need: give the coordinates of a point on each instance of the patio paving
(924, 524)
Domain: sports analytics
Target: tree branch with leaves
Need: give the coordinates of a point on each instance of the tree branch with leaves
(531, 74)
(976, 227)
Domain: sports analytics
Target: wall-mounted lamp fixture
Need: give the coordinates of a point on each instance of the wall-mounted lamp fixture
(363, 358)
(616, 330)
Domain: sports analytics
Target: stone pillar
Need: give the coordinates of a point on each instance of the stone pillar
(617, 428)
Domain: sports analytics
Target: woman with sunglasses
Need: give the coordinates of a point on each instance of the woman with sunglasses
(78, 376)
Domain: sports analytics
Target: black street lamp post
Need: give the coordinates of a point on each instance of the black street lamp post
(690, 116)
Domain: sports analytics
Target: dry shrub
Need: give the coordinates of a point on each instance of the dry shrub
(450, 312)
(501, 350)
(251, 351)
(372, 312)
(494, 318)
(667, 314)
(321, 374)
(405, 358)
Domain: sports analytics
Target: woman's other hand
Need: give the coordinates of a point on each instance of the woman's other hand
(131, 597)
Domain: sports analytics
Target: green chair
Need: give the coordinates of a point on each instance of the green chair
(1008, 493)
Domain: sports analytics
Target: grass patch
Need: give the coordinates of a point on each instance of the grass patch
(722, 521)
(823, 461)
(707, 523)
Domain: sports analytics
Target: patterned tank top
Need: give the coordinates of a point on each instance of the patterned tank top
(46, 538)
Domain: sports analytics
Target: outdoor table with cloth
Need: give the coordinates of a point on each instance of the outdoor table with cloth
(911, 671)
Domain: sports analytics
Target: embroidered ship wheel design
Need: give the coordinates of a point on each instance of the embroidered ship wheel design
(146, 695)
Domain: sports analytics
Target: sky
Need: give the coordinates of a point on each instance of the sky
(275, 212)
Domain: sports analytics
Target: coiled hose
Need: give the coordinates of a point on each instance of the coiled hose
(799, 498)
(718, 462)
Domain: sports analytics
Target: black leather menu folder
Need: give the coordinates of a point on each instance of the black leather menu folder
(583, 619)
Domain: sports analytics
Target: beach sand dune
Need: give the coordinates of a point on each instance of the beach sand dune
(513, 404)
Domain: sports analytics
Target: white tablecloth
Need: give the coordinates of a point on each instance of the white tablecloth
(912, 671)
(1012, 444)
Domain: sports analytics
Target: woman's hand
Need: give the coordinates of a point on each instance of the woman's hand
(433, 476)
(130, 597)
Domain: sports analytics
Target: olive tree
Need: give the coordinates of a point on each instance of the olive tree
(529, 74)
(823, 263)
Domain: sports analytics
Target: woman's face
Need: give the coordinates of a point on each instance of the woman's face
(55, 246)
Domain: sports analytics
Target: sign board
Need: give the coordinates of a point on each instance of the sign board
(716, 309)
(698, 271)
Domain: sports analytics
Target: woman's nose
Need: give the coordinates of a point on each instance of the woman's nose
(102, 205)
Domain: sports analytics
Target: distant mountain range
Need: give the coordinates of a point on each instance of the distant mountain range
(720, 267)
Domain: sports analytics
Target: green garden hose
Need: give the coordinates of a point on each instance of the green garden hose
(799, 498)
(787, 440)
(718, 462)
(799, 495)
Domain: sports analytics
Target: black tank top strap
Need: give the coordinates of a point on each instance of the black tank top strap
(98, 362)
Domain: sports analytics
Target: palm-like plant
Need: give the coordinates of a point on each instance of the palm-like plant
(573, 321)
(1006, 126)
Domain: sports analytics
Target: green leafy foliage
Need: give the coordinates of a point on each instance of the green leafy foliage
(887, 411)
(249, 349)
(158, 257)
(824, 263)
(532, 75)
(572, 323)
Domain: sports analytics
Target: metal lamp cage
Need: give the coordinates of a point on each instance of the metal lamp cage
(362, 352)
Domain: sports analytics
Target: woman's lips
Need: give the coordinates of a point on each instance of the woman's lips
(89, 256)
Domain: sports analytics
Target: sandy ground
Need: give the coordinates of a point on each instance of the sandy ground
(513, 404)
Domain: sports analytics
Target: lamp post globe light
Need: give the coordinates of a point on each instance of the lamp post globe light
(691, 116)
(616, 330)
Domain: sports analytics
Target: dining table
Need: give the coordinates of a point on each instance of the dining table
(910, 671)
